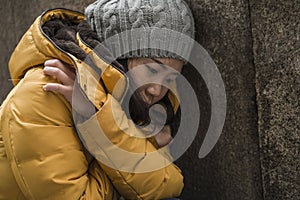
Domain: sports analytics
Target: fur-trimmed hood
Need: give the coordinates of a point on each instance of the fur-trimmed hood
(36, 47)
(64, 34)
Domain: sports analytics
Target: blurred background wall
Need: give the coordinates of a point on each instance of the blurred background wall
(256, 47)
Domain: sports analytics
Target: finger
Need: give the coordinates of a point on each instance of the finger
(59, 74)
(66, 91)
(61, 65)
(67, 69)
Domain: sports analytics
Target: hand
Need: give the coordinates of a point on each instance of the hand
(164, 137)
(66, 78)
(64, 74)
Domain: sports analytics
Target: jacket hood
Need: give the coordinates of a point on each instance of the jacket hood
(64, 34)
(35, 47)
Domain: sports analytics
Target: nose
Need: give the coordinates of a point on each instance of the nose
(154, 89)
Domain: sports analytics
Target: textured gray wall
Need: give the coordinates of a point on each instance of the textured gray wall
(255, 45)
(232, 169)
(276, 37)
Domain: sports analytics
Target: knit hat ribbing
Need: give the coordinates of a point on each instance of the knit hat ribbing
(158, 20)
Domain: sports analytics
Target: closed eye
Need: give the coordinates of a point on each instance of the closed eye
(152, 70)
(169, 80)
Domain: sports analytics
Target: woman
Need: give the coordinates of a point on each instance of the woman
(41, 153)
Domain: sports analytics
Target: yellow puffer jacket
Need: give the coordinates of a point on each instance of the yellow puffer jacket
(41, 155)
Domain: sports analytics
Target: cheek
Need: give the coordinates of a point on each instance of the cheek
(164, 91)
(142, 90)
(140, 79)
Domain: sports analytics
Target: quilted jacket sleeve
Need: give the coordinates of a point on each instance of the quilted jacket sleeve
(137, 169)
(45, 154)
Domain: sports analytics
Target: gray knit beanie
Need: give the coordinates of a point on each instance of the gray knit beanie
(163, 28)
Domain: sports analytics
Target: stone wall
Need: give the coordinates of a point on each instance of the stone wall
(255, 45)
(232, 169)
(276, 47)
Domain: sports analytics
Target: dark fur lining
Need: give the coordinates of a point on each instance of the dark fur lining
(63, 34)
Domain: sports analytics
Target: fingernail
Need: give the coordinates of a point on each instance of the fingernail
(46, 70)
(45, 88)
(47, 62)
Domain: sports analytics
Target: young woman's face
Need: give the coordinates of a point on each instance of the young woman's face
(156, 73)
